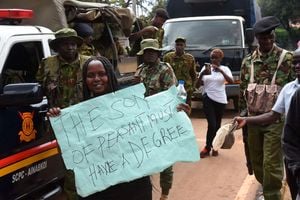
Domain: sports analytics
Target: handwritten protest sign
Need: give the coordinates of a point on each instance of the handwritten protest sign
(122, 136)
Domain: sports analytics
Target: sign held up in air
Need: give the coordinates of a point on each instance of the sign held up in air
(123, 136)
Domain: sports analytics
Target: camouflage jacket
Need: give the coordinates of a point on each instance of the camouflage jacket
(158, 78)
(87, 50)
(264, 69)
(159, 36)
(184, 68)
(61, 81)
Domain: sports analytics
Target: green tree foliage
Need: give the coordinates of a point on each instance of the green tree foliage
(160, 4)
(286, 11)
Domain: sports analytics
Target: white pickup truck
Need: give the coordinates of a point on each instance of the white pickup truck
(31, 166)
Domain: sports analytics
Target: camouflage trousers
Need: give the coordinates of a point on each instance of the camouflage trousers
(166, 180)
(266, 158)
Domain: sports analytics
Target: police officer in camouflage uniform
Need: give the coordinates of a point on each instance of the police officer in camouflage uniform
(61, 79)
(161, 15)
(184, 66)
(60, 75)
(85, 31)
(157, 76)
(264, 141)
(155, 30)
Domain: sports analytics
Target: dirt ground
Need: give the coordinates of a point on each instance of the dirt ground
(213, 178)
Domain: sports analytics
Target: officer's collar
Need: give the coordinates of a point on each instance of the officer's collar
(156, 65)
(179, 55)
(259, 53)
(64, 62)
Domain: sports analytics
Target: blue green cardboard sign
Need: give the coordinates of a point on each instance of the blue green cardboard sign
(123, 136)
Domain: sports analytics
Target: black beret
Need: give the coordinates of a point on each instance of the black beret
(83, 29)
(266, 25)
(160, 12)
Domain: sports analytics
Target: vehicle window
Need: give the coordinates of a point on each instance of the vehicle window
(22, 63)
(205, 33)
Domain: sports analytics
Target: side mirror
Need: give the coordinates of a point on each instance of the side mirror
(21, 94)
(249, 36)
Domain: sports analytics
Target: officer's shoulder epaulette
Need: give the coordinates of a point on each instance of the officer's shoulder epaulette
(84, 57)
(289, 53)
(172, 52)
(249, 56)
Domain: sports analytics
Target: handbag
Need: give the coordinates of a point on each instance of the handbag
(260, 98)
(229, 138)
(224, 138)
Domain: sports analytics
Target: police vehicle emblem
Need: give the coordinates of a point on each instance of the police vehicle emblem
(28, 132)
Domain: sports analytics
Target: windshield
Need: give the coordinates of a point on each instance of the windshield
(204, 34)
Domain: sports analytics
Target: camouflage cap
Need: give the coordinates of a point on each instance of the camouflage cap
(64, 34)
(149, 44)
(266, 25)
(182, 39)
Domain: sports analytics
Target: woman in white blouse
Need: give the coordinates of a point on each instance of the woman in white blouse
(213, 77)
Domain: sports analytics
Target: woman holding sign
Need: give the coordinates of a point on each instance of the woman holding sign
(99, 79)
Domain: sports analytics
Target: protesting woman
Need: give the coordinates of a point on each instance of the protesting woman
(99, 79)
